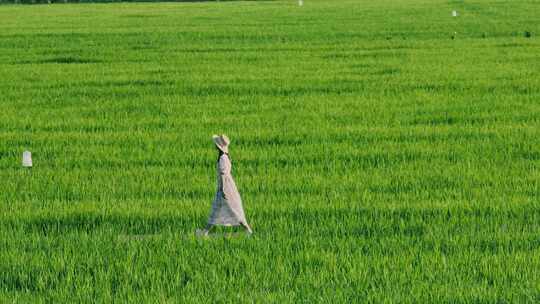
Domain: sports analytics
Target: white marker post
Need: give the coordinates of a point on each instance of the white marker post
(454, 13)
(300, 2)
(27, 159)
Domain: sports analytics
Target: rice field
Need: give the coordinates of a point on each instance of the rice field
(386, 152)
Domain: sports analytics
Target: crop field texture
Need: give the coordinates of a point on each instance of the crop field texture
(385, 151)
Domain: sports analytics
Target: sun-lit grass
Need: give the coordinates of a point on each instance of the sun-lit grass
(385, 151)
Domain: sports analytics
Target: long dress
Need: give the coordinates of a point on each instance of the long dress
(227, 207)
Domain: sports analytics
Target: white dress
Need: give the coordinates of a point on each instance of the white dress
(227, 207)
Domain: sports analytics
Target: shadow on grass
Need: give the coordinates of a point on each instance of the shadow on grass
(60, 60)
(361, 222)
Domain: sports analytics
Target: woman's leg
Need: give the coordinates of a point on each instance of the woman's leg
(245, 225)
(208, 228)
(205, 230)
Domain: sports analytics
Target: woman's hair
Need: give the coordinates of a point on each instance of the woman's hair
(221, 153)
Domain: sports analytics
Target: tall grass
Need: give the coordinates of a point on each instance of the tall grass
(385, 151)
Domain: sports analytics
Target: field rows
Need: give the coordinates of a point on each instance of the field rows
(385, 151)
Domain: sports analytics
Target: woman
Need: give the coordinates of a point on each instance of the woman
(227, 207)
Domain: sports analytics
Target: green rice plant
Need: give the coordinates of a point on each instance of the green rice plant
(379, 160)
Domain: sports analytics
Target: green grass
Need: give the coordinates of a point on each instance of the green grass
(379, 159)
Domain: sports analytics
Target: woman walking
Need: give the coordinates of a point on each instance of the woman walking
(227, 207)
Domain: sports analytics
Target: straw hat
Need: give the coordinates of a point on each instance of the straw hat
(222, 142)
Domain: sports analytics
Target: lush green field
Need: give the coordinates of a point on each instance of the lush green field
(385, 151)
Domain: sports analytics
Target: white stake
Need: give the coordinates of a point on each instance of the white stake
(27, 159)
(454, 13)
(300, 2)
